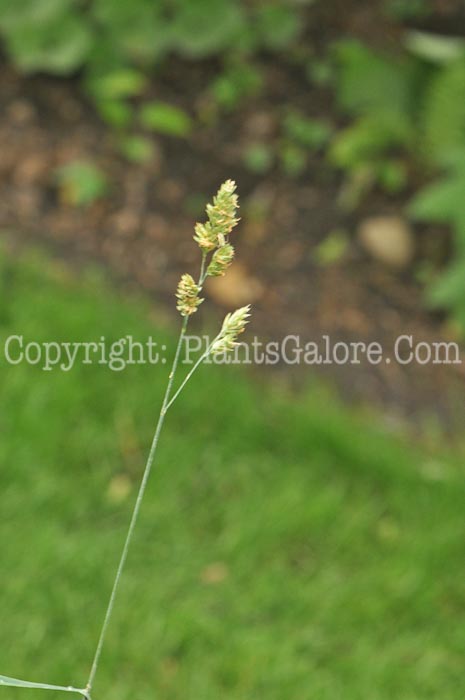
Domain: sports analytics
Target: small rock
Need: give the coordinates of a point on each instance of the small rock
(70, 109)
(236, 288)
(27, 202)
(388, 239)
(21, 111)
(156, 227)
(126, 222)
(260, 125)
(171, 191)
(30, 169)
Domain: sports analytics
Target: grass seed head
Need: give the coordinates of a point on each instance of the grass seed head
(233, 325)
(188, 296)
(222, 218)
(221, 260)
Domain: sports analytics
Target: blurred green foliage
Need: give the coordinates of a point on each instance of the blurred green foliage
(310, 133)
(63, 36)
(409, 112)
(333, 248)
(376, 91)
(284, 543)
(405, 10)
(404, 114)
(443, 202)
(258, 157)
(299, 136)
(238, 81)
(81, 183)
(115, 43)
(165, 119)
(136, 149)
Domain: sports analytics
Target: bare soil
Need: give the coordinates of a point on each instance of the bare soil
(142, 230)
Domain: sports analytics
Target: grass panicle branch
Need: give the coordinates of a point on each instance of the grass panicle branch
(212, 238)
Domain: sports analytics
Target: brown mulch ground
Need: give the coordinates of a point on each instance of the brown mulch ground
(142, 232)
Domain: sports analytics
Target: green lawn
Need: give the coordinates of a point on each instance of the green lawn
(287, 549)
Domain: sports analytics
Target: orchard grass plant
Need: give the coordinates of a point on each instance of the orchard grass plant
(289, 546)
(217, 255)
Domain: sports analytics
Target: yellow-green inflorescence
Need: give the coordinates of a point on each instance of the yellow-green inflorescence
(188, 296)
(221, 260)
(233, 325)
(212, 239)
(221, 219)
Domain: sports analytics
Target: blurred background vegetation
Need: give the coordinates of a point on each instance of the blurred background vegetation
(291, 546)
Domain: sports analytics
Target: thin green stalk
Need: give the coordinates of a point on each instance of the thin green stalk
(210, 236)
(188, 376)
(203, 270)
(142, 489)
(135, 513)
(16, 683)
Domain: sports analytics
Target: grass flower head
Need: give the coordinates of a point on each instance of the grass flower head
(221, 260)
(188, 296)
(233, 325)
(221, 218)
